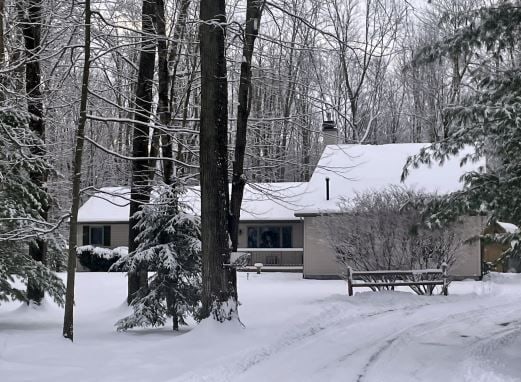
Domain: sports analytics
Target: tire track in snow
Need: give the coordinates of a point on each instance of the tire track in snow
(309, 328)
(349, 317)
(436, 325)
(374, 357)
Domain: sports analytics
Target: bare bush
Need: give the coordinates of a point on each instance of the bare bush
(384, 230)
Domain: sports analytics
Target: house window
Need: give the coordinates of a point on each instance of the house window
(270, 237)
(96, 235)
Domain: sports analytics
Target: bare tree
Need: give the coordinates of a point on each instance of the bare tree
(141, 168)
(68, 320)
(219, 295)
(251, 30)
(385, 231)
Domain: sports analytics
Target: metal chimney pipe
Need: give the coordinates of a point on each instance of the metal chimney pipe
(327, 188)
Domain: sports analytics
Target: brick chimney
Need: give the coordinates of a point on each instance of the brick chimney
(329, 131)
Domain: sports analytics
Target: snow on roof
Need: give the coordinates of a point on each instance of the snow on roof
(351, 169)
(261, 202)
(355, 169)
(110, 204)
(273, 201)
(508, 227)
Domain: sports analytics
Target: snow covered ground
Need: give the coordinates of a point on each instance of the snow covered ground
(295, 330)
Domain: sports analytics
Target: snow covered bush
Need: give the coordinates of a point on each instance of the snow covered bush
(22, 205)
(98, 259)
(385, 231)
(169, 243)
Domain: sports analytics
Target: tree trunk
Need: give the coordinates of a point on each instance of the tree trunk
(68, 320)
(219, 295)
(2, 49)
(163, 105)
(140, 185)
(31, 15)
(173, 59)
(253, 15)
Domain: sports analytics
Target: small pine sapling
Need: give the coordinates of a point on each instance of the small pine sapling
(170, 246)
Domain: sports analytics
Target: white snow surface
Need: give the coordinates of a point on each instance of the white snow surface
(294, 330)
(110, 204)
(355, 169)
(261, 201)
(509, 227)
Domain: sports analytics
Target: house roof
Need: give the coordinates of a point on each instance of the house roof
(353, 169)
(261, 202)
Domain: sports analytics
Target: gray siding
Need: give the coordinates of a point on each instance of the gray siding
(319, 256)
(118, 233)
(468, 257)
(119, 238)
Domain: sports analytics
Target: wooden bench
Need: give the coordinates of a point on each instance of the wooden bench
(397, 278)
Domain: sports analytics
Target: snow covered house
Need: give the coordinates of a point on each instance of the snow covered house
(344, 170)
(269, 229)
(282, 223)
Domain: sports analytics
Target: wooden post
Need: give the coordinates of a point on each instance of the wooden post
(349, 281)
(445, 288)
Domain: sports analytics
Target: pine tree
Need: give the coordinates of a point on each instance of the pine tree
(169, 244)
(21, 206)
(487, 119)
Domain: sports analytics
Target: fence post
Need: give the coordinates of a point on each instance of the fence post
(445, 288)
(349, 281)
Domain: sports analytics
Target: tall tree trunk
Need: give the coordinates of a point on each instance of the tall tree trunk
(173, 58)
(140, 183)
(253, 15)
(163, 105)
(68, 320)
(2, 43)
(31, 15)
(219, 295)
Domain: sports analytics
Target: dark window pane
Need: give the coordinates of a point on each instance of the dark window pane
(96, 235)
(106, 236)
(286, 237)
(269, 237)
(252, 237)
(86, 235)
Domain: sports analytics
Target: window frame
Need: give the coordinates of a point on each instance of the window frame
(106, 235)
(255, 241)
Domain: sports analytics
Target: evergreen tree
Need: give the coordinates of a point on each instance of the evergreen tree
(21, 205)
(487, 118)
(169, 245)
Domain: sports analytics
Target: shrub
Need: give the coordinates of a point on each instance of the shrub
(384, 230)
(98, 259)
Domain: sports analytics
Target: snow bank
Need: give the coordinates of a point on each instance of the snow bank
(295, 330)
